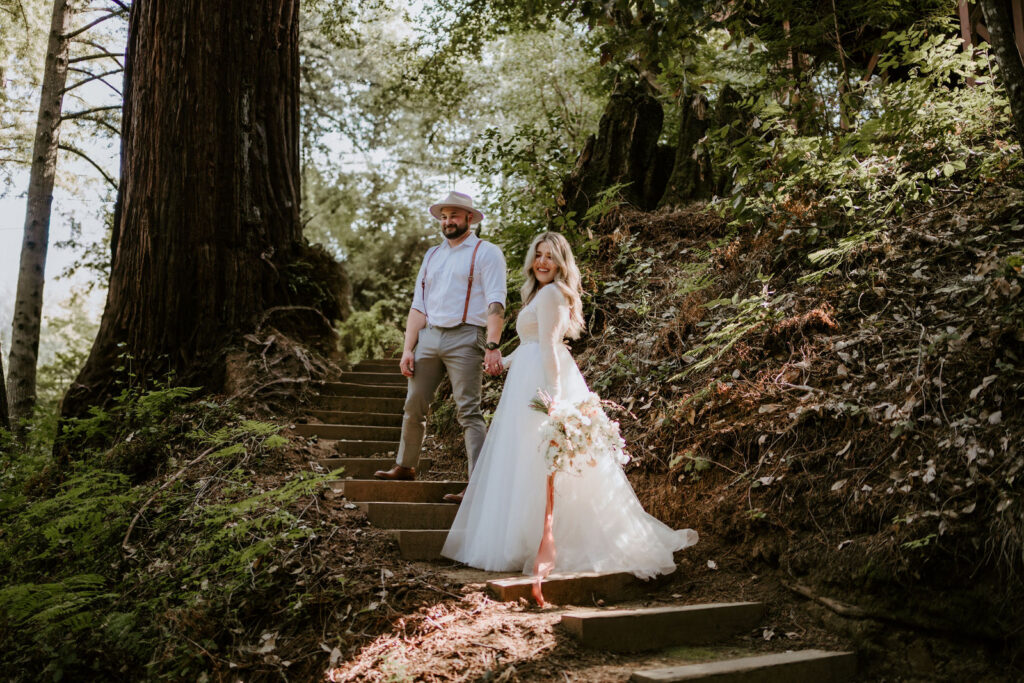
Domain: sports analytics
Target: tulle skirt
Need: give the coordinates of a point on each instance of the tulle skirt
(598, 522)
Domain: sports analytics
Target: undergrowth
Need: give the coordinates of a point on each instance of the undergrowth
(158, 549)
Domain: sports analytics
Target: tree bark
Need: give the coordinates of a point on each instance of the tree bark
(625, 151)
(28, 304)
(999, 21)
(5, 422)
(691, 173)
(206, 233)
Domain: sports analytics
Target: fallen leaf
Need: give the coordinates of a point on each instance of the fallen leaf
(839, 484)
(712, 564)
(981, 387)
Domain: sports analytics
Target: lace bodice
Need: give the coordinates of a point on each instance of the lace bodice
(544, 321)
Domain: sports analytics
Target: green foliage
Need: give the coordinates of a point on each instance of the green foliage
(749, 314)
(914, 138)
(122, 557)
(373, 333)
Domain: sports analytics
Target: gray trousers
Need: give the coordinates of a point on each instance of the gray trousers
(460, 352)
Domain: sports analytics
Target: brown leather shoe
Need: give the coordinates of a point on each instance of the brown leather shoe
(397, 473)
(454, 497)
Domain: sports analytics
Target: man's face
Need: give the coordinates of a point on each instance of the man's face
(454, 222)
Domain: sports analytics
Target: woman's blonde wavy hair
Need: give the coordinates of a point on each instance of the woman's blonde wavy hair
(567, 278)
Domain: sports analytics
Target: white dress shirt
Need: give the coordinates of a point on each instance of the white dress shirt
(446, 270)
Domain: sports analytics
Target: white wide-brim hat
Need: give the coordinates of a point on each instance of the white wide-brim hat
(457, 200)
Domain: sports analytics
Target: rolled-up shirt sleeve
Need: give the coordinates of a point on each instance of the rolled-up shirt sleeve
(493, 276)
(417, 292)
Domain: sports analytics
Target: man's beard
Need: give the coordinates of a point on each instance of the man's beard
(457, 234)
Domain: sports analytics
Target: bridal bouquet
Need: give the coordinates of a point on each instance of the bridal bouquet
(578, 433)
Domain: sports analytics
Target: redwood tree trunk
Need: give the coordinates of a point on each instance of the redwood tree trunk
(624, 151)
(28, 304)
(207, 218)
(5, 422)
(999, 21)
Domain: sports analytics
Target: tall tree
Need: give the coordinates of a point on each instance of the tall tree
(5, 421)
(31, 275)
(206, 237)
(999, 21)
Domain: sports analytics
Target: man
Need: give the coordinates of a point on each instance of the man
(458, 310)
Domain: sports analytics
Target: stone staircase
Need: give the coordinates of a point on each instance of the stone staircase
(361, 416)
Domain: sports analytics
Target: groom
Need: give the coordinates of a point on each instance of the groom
(458, 309)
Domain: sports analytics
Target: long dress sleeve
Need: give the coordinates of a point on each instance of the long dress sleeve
(506, 361)
(552, 322)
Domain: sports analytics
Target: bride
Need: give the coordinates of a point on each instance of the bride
(598, 523)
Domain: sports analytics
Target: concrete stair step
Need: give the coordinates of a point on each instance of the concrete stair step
(357, 448)
(802, 666)
(342, 417)
(421, 544)
(350, 432)
(363, 403)
(375, 377)
(633, 630)
(573, 589)
(360, 490)
(361, 390)
(363, 468)
(413, 516)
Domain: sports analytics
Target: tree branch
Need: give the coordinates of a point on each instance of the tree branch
(83, 155)
(80, 31)
(86, 112)
(101, 55)
(105, 124)
(99, 48)
(94, 77)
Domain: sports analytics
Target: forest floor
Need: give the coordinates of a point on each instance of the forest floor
(850, 435)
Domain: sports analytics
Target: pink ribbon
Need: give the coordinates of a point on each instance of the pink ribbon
(545, 561)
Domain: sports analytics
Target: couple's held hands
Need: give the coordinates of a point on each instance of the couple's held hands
(493, 364)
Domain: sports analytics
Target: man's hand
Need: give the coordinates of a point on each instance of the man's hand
(407, 364)
(492, 362)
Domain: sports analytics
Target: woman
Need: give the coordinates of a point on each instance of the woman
(599, 525)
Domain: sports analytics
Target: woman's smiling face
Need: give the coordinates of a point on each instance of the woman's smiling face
(544, 266)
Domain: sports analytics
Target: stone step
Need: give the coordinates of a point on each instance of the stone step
(350, 432)
(354, 418)
(362, 448)
(375, 377)
(582, 588)
(363, 403)
(360, 490)
(810, 666)
(363, 468)
(363, 390)
(410, 515)
(633, 630)
(421, 544)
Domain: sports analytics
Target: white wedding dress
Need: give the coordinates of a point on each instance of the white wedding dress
(598, 523)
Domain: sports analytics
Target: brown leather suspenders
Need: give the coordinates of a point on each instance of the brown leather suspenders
(469, 286)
